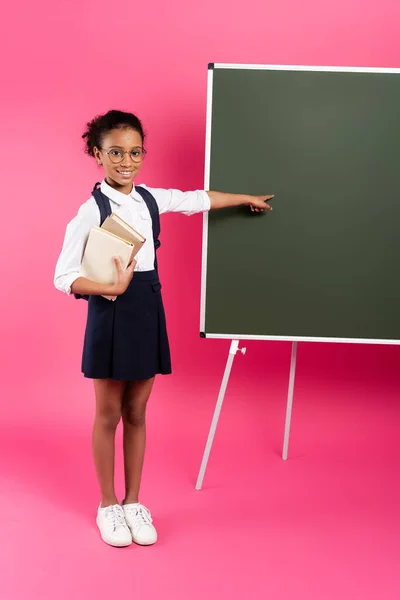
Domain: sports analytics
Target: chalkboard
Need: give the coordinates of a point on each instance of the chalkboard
(325, 263)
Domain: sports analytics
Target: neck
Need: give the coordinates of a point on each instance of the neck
(124, 189)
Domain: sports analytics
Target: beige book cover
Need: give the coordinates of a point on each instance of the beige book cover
(114, 224)
(97, 262)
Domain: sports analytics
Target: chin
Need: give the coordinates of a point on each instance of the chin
(124, 180)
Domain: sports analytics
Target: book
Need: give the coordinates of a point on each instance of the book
(114, 224)
(97, 262)
(114, 238)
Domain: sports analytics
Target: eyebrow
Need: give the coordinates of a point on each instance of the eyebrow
(121, 147)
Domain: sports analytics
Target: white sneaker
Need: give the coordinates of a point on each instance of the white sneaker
(139, 521)
(112, 525)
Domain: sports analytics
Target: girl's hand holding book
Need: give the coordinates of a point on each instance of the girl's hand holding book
(123, 277)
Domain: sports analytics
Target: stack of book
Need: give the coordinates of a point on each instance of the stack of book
(114, 238)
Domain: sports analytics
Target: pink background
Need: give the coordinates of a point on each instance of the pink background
(62, 63)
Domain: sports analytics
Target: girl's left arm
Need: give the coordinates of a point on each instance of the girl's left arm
(224, 200)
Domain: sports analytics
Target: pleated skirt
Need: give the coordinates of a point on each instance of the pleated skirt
(127, 339)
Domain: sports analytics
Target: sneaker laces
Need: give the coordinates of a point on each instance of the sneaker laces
(140, 514)
(115, 517)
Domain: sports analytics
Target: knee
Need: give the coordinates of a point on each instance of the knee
(135, 417)
(109, 418)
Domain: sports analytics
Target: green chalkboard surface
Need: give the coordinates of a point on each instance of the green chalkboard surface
(325, 263)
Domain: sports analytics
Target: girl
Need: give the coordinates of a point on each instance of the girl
(126, 341)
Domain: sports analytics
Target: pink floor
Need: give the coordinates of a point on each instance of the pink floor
(323, 525)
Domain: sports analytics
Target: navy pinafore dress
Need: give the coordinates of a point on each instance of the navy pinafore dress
(127, 339)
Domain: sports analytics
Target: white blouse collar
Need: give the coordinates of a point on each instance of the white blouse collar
(115, 196)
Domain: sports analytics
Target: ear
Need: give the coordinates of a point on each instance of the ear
(97, 155)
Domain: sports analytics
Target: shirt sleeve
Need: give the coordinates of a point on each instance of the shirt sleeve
(76, 234)
(188, 203)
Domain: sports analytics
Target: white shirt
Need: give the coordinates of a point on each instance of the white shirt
(130, 207)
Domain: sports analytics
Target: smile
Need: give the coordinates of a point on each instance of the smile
(125, 173)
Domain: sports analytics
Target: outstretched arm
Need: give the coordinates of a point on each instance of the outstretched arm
(224, 200)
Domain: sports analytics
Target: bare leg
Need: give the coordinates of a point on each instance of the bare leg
(133, 415)
(109, 394)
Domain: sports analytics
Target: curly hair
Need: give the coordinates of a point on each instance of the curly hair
(98, 127)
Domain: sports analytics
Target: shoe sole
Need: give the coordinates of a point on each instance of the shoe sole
(143, 543)
(114, 544)
(135, 541)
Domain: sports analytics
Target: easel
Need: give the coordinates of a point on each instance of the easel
(231, 356)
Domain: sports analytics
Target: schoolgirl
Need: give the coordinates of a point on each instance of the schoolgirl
(126, 341)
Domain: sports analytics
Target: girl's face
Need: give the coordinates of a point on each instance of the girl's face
(121, 154)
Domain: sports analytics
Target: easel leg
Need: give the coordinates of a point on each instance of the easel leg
(232, 352)
(289, 401)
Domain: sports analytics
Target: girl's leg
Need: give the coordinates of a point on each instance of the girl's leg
(133, 414)
(109, 394)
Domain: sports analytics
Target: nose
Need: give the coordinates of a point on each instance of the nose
(127, 160)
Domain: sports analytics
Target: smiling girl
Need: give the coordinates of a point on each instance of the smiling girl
(126, 343)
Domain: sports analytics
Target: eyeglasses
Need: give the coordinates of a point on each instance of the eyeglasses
(116, 156)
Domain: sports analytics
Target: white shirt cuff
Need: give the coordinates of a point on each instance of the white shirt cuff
(206, 201)
(65, 282)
